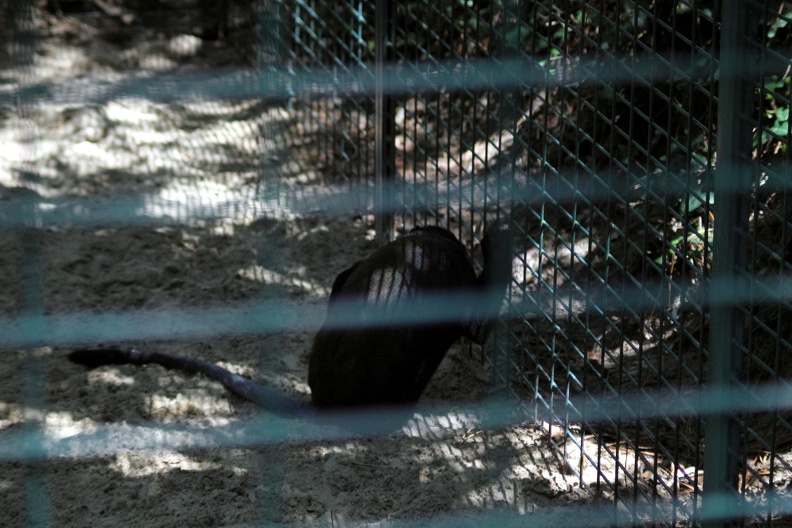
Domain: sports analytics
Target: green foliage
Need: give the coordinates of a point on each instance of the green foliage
(775, 130)
(772, 136)
(690, 241)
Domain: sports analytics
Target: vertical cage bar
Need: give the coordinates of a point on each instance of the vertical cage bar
(729, 254)
(384, 148)
(23, 45)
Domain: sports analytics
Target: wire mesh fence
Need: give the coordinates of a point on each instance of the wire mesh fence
(191, 176)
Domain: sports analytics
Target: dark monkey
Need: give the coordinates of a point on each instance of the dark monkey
(378, 363)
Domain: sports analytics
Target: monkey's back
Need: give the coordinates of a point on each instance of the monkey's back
(388, 363)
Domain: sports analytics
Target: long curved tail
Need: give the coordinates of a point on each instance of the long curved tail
(265, 397)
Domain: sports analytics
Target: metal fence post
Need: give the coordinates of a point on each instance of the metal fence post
(732, 186)
(23, 44)
(384, 149)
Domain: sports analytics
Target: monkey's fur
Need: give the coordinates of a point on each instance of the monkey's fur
(380, 363)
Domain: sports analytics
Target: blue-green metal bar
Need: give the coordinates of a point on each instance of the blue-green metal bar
(31, 302)
(384, 148)
(732, 186)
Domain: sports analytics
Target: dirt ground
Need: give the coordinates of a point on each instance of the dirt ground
(398, 476)
(207, 221)
(174, 159)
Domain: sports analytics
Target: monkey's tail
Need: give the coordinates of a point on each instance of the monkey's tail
(265, 397)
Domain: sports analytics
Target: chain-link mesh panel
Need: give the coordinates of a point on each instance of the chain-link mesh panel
(336, 41)
(765, 347)
(594, 134)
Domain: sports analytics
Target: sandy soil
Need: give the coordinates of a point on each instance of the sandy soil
(365, 479)
(174, 159)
